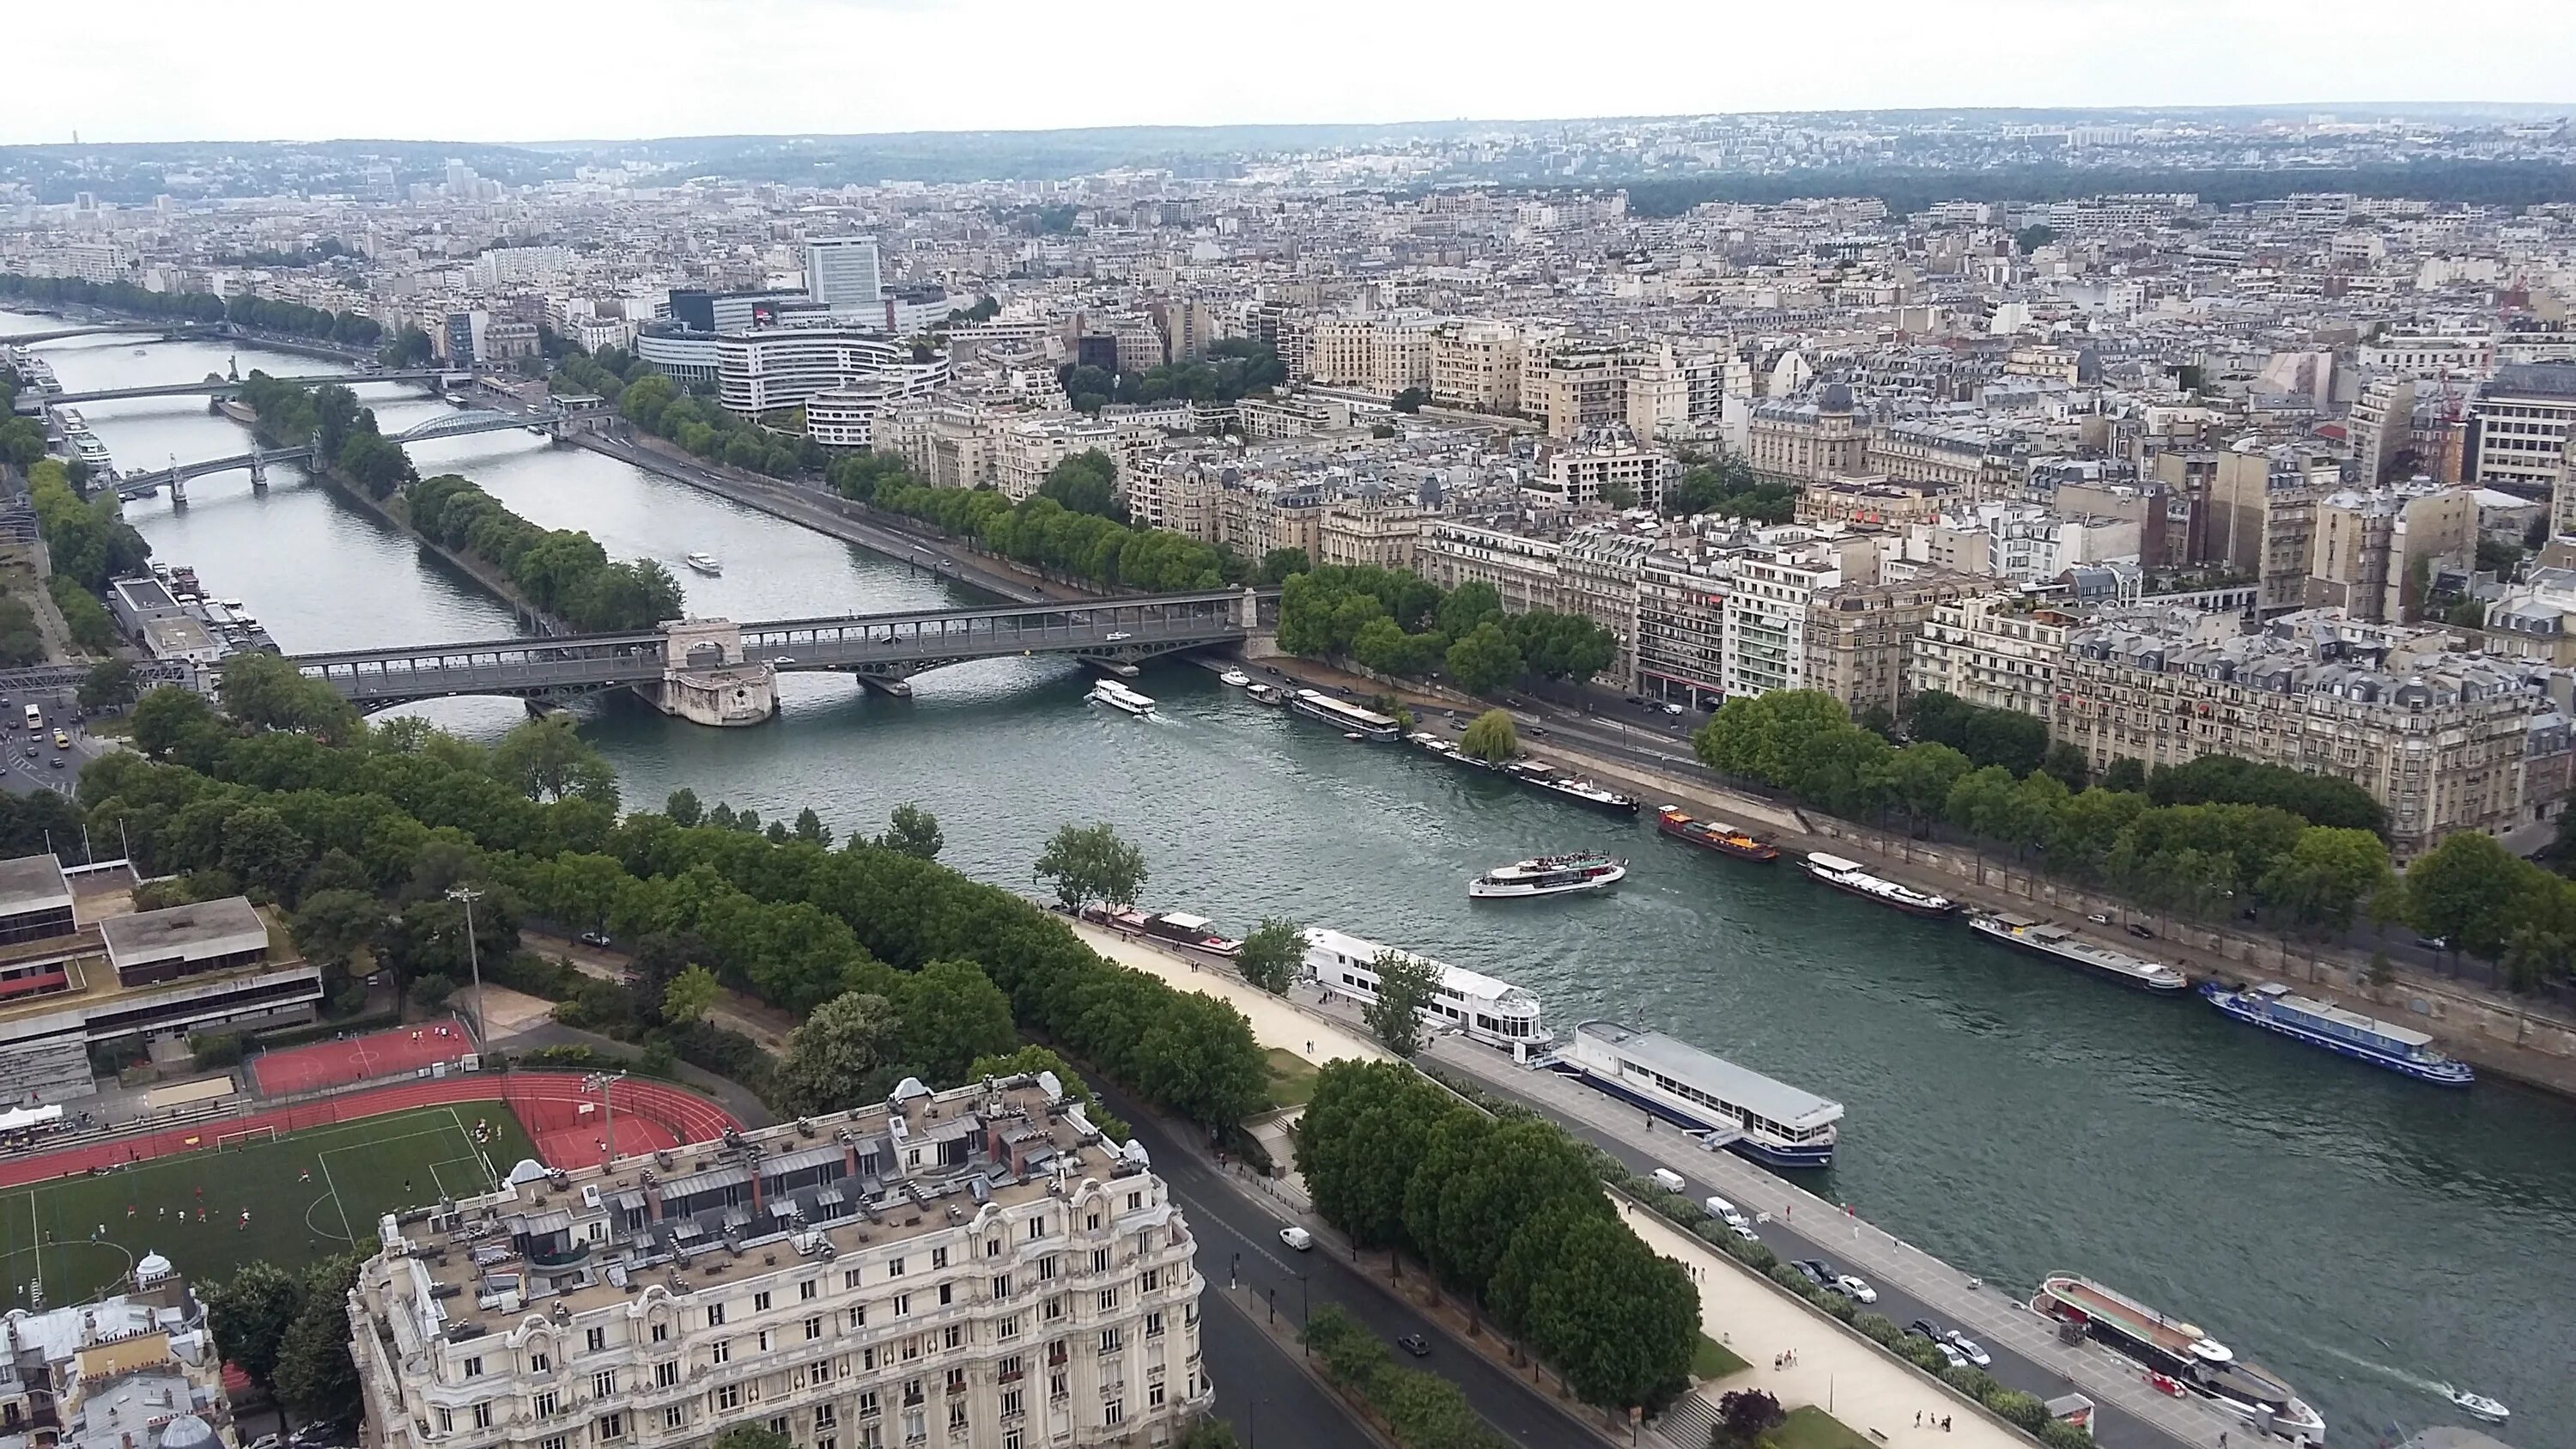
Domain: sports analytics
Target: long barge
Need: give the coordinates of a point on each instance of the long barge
(1713, 835)
(2057, 943)
(2383, 1044)
(1350, 719)
(1480, 1007)
(1852, 877)
(1728, 1106)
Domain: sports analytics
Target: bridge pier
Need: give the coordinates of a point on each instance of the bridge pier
(178, 490)
(258, 473)
(884, 684)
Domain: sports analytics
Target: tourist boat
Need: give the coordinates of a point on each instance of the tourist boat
(1847, 875)
(1269, 694)
(2477, 1406)
(2047, 938)
(1728, 1106)
(1479, 1007)
(88, 448)
(1170, 928)
(1367, 724)
(2181, 1353)
(2274, 1007)
(1236, 678)
(1544, 776)
(1711, 835)
(1548, 875)
(705, 563)
(1119, 697)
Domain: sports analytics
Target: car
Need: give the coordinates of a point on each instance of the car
(266, 1441)
(782, 661)
(1415, 1344)
(1856, 1289)
(594, 938)
(1930, 1330)
(1744, 1231)
(1117, 634)
(2098, 918)
(2141, 932)
(1814, 1270)
(58, 762)
(1672, 709)
(1956, 1358)
(1636, 699)
(1297, 1238)
(1535, 729)
(1969, 1346)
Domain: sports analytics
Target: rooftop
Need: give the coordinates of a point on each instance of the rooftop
(1793, 1107)
(200, 928)
(32, 883)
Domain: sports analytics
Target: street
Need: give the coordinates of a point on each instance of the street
(22, 771)
(1239, 1240)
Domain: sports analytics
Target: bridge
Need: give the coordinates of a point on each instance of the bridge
(34, 402)
(256, 462)
(92, 329)
(718, 672)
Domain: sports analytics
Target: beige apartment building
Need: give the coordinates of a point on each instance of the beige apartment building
(1383, 353)
(1252, 516)
(1574, 387)
(1941, 459)
(1476, 365)
(2371, 546)
(1995, 650)
(1598, 571)
(1608, 458)
(1875, 500)
(1808, 442)
(2438, 739)
(1369, 527)
(1026, 449)
(1679, 654)
(1523, 570)
(1860, 637)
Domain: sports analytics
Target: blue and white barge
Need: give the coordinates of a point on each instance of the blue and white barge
(2274, 1007)
(1729, 1106)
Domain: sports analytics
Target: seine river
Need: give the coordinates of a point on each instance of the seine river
(2364, 1235)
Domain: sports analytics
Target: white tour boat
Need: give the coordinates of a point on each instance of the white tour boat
(1479, 1007)
(1848, 875)
(1119, 697)
(1236, 678)
(1548, 875)
(705, 563)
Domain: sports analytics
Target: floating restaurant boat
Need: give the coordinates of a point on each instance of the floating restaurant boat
(1712, 835)
(1367, 724)
(2182, 1354)
(1479, 1007)
(1119, 697)
(1541, 775)
(1730, 1106)
(1848, 875)
(2047, 938)
(2274, 1007)
(1548, 875)
(1171, 928)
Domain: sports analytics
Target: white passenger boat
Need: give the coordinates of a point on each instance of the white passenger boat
(1366, 724)
(1119, 697)
(1236, 678)
(1733, 1107)
(1548, 875)
(1482, 1008)
(705, 563)
(1849, 875)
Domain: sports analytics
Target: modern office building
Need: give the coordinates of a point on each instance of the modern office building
(841, 273)
(781, 367)
(977, 1267)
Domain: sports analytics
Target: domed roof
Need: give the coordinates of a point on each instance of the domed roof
(187, 1432)
(153, 1268)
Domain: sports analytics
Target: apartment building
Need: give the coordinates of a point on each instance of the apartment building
(1026, 449)
(976, 1267)
(2381, 426)
(1476, 365)
(1768, 593)
(1942, 458)
(1995, 650)
(2375, 547)
(781, 367)
(1598, 573)
(2424, 348)
(2521, 423)
(1574, 387)
(1679, 653)
(1253, 515)
(1384, 354)
(1522, 569)
(1609, 462)
(2439, 739)
(1808, 442)
(1299, 415)
(137, 1369)
(1875, 500)
(1371, 526)
(1860, 637)
(845, 416)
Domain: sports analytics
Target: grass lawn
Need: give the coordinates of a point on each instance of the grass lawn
(309, 1195)
(1714, 1360)
(1809, 1427)
(1292, 1078)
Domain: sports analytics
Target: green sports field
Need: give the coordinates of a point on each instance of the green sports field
(309, 1195)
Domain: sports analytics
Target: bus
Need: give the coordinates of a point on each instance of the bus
(35, 718)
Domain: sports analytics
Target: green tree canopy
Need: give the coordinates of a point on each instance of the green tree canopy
(1090, 863)
(1405, 988)
(840, 1056)
(1270, 956)
(1491, 737)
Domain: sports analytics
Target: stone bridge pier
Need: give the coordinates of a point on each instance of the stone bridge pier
(705, 678)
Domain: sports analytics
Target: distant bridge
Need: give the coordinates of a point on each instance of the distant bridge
(34, 402)
(256, 462)
(684, 666)
(92, 329)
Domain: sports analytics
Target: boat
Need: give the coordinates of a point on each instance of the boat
(1712, 835)
(2477, 1406)
(1481, 1008)
(2275, 1007)
(2047, 938)
(1171, 928)
(143, 352)
(537, 428)
(88, 448)
(1725, 1105)
(1119, 697)
(705, 563)
(2182, 1353)
(1368, 724)
(1269, 694)
(1548, 875)
(1847, 875)
(1236, 678)
(1543, 776)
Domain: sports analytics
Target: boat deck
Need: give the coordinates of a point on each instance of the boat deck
(2130, 1316)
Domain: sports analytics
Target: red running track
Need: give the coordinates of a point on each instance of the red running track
(548, 1104)
(398, 1052)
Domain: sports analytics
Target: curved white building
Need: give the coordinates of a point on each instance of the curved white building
(782, 367)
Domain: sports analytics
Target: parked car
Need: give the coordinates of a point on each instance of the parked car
(1415, 1344)
(1814, 1271)
(2098, 918)
(595, 938)
(1673, 709)
(1856, 1289)
(1956, 1358)
(1297, 1238)
(1929, 1329)
(2141, 932)
(1969, 1346)
(1744, 1230)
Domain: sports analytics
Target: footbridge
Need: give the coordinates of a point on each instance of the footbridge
(142, 484)
(32, 402)
(715, 671)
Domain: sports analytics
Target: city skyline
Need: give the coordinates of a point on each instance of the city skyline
(931, 65)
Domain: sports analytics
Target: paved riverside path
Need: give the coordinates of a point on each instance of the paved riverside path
(1836, 1371)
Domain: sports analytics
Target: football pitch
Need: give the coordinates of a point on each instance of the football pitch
(308, 1195)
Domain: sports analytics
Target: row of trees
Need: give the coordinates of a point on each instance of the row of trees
(267, 313)
(560, 570)
(343, 432)
(89, 541)
(401, 813)
(1508, 1212)
(1421, 1410)
(1396, 622)
(707, 431)
(1066, 527)
(1727, 487)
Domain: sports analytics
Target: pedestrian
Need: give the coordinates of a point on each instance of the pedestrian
(1945, 1423)
(1918, 1418)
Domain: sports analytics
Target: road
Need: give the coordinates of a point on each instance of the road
(1239, 1240)
(27, 773)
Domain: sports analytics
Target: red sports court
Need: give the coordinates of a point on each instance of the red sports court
(401, 1052)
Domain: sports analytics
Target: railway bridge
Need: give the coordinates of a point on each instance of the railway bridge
(142, 483)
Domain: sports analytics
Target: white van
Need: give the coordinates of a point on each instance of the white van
(1724, 1212)
(1669, 1180)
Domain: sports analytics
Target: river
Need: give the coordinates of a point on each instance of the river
(2362, 1234)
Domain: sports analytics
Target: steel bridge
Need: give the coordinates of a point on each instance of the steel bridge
(34, 402)
(93, 329)
(256, 462)
(879, 649)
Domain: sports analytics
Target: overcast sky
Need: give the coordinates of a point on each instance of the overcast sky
(149, 70)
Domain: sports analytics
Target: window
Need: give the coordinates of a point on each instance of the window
(957, 1381)
(912, 1348)
(1135, 1201)
(1055, 1386)
(760, 1303)
(661, 1333)
(849, 1277)
(762, 1338)
(992, 1247)
(721, 1351)
(1154, 1395)
(446, 1421)
(551, 1441)
(1108, 1300)
(1092, 1223)
(1011, 1440)
(596, 1339)
(1008, 1328)
(1001, 1285)
(1153, 1280)
(868, 1404)
(540, 1362)
(1100, 1260)
(903, 1305)
(474, 1367)
(953, 1336)
(673, 1416)
(666, 1374)
(544, 1404)
(1037, 1227)
(956, 1416)
(806, 1290)
(1055, 1309)
(603, 1385)
(729, 1398)
(715, 1316)
(611, 1427)
(824, 1416)
(778, 1426)
(1154, 1324)
(1113, 1412)
(1011, 1404)
(813, 1328)
(858, 1316)
(894, 1267)
(939, 1257)
(1046, 1268)
(1109, 1340)
(947, 1294)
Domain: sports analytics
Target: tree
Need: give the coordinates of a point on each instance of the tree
(2125, 774)
(913, 831)
(1270, 956)
(315, 1374)
(1617, 1318)
(1085, 483)
(1920, 778)
(1485, 660)
(263, 852)
(2065, 760)
(752, 1436)
(683, 808)
(1410, 400)
(952, 1015)
(1279, 563)
(1405, 986)
(110, 684)
(544, 759)
(811, 829)
(1090, 863)
(686, 999)
(332, 924)
(250, 1313)
(170, 718)
(2463, 891)
(839, 1057)
(1492, 737)
(1745, 1415)
(2325, 876)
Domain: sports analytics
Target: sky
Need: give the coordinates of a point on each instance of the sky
(525, 70)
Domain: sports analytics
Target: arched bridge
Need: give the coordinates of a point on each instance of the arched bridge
(880, 649)
(32, 402)
(256, 462)
(93, 329)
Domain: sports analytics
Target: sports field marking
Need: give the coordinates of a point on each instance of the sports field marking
(346, 1236)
